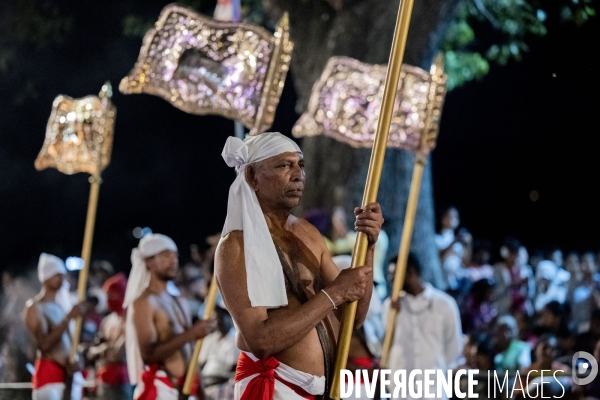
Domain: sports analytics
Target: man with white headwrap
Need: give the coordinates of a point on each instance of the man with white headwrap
(159, 331)
(276, 275)
(47, 317)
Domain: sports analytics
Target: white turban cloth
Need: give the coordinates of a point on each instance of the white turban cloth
(49, 266)
(266, 285)
(139, 278)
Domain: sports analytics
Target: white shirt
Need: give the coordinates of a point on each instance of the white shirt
(428, 332)
(220, 354)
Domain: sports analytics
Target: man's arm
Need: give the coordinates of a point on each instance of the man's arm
(453, 333)
(368, 221)
(330, 271)
(46, 341)
(289, 326)
(153, 352)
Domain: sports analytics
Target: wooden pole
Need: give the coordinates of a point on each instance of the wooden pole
(373, 179)
(409, 222)
(211, 299)
(428, 138)
(86, 254)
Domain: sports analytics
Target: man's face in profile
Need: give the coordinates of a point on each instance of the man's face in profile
(164, 264)
(279, 181)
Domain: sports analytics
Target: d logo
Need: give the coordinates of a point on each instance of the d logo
(582, 363)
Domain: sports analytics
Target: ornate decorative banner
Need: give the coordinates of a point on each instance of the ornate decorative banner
(79, 134)
(346, 100)
(202, 66)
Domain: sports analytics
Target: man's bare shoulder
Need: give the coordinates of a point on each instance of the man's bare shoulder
(308, 230)
(144, 303)
(31, 304)
(230, 241)
(30, 308)
(229, 249)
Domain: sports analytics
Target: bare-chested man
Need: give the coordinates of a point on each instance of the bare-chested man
(158, 329)
(47, 318)
(276, 275)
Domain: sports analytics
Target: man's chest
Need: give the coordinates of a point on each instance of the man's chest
(301, 266)
(420, 321)
(169, 317)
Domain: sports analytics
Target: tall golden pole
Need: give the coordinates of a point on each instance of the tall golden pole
(373, 179)
(409, 222)
(427, 142)
(211, 299)
(86, 254)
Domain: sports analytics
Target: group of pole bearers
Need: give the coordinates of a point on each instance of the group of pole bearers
(276, 277)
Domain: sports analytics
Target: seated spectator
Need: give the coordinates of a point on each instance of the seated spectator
(467, 361)
(553, 319)
(573, 265)
(587, 340)
(584, 295)
(479, 267)
(552, 284)
(545, 360)
(480, 353)
(511, 354)
(452, 247)
(546, 352)
(219, 355)
(193, 288)
(479, 311)
(484, 353)
(525, 324)
(513, 281)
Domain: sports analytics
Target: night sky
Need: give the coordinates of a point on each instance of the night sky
(527, 126)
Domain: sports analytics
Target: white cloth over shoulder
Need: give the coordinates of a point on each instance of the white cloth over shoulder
(266, 285)
(139, 278)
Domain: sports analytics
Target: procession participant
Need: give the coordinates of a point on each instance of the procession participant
(276, 275)
(158, 329)
(47, 317)
(428, 331)
(112, 377)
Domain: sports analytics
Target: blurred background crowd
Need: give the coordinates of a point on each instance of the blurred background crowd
(520, 309)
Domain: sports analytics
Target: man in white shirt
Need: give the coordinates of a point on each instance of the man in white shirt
(219, 355)
(428, 331)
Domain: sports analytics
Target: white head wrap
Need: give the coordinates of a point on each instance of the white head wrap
(49, 266)
(266, 285)
(139, 278)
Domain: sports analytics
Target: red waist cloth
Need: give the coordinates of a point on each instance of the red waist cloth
(150, 391)
(262, 387)
(113, 374)
(364, 362)
(47, 371)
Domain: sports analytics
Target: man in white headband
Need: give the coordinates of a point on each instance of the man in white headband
(47, 317)
(159, 331)
(276, 275)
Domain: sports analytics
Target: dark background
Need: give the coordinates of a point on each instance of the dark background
(527, 126)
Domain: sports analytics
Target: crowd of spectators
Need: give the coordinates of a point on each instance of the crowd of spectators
(524, 312)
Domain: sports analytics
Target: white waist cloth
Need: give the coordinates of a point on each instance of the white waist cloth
(312, 384)
(163, 391)
(54, 391)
